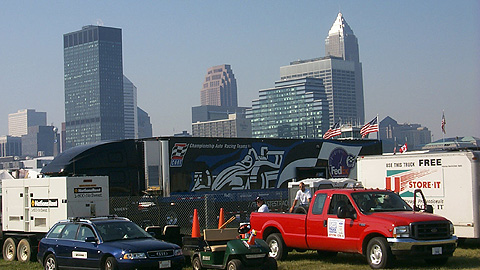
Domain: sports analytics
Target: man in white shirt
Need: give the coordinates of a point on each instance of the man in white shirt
(262, 206)
(303, 197)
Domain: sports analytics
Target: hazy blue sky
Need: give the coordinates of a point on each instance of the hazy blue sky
(419, 57)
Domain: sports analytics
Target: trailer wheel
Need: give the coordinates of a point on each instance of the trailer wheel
(9, 249)
(50, 263)
(278, 249)
(379, 254)
(235, 264)
(24, 250)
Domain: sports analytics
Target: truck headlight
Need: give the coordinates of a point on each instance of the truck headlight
(134, 256)
(452, 230)
(401, 231)
(177, 252)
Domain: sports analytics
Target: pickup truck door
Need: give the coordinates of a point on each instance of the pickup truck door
(316, 231)
(328, 232)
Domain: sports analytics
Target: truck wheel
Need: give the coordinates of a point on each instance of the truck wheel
(234, 264)
(50, 263)
(278, 249)
(379, 254)
(197, 264)
(24, 251)
(270, 264)
(9, 249)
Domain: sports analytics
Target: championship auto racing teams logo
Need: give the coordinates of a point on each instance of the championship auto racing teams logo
(340, 163)
(178, 153)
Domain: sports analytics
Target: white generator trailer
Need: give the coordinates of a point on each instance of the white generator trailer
(30, 207)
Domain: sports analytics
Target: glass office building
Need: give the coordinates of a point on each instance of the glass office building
(93, 70)
(295, 108)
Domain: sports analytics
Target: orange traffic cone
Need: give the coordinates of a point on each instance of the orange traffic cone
(251, 239)
(220, 219)
(195, 224)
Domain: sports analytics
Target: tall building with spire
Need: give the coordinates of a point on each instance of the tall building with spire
(93, 75)
(341, 72)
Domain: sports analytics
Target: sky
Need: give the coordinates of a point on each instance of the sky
(420, 58)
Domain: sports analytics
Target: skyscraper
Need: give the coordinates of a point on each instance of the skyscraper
(296, 108)
(94, 101)
(19, 122)
(219, 87)
(130, 109)
(341, 72)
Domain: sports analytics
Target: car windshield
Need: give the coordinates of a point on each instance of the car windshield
(380, 201)
(113, 231)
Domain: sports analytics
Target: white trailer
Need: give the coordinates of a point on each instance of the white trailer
(30, 207)
(449, 180)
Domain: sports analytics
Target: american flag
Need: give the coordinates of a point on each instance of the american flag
(443, 123)
(333, 131)
(369, 127)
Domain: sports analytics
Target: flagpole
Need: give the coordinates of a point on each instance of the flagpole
(378, 133)
(443, 128)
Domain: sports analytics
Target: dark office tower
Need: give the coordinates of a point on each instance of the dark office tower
(94, 103)
(219, 87)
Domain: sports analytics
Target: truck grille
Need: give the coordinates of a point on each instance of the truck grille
(160, 253)
(430, 230)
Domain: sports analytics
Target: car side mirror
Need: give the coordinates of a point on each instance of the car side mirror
(91, 239)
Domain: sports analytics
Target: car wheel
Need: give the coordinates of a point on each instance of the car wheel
(270, 264)
(235, 264)
(9, 249)
(110, 264)
(379, 254)
(50, 263)
(197, 263)
(278, 249)
(24, 251)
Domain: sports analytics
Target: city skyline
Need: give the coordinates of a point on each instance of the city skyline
(419, 58)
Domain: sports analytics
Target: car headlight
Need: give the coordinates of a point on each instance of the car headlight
(134, 256)
(177, 252)
(401, 231)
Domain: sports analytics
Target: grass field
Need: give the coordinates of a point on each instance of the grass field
(467, 256)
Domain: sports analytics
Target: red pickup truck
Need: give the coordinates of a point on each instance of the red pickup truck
(378, 224)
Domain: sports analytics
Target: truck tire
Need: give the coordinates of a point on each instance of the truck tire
(270, 264)
(378, 253)
(234, 264)
(278, 249)
(9, 249)
(197, 263)
(24, 250)
(300, 210)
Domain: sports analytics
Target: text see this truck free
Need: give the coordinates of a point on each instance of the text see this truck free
(375, 223)
(30, 207)
(450, 181)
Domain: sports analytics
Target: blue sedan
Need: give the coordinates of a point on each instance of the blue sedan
(108, 243)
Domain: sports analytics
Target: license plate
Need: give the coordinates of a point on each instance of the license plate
(165, 264)
(436, 250)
